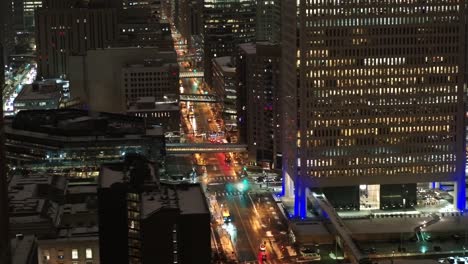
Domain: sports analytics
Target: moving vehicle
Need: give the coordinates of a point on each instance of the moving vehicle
(226, 215)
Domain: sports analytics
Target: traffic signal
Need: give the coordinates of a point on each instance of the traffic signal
(244, 168)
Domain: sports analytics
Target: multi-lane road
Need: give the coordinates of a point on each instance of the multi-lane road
(256, 219)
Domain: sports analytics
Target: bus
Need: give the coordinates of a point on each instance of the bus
(226, 215)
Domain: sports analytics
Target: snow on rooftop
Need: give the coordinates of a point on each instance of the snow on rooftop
(107, 177)
(192, 200)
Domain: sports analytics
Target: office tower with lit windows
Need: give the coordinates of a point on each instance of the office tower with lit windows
(258, 114)
(379, 100)
(227, 23)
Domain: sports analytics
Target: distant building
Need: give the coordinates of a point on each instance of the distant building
(258, 110)
(164, 113)
(268, 26)
(143, 221)
(77, 138)
(226, 24)
(62, 32)
(224, 86)
(41, 95)
(143, 27)
(190, 20)
(111, 79)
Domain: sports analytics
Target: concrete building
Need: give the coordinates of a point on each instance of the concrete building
(258, 113)
(134, 206)
(268, 27)
(164, 113)
(379, 104)
(78, 139)
(111, 79)
(227, 23)
(75, 245)
(41, 95)
(61, 32)
(35, 201)
(224, 86)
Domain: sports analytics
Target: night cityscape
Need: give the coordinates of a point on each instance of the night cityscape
(233, 131)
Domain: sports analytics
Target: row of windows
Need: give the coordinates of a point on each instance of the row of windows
(379, 2)
(381, 150)
(395, 81)
(380, 21)
(372, 72)
(366, 52)
(382, 10)
(330, 113)
(386, 121)
(402, 101)
(377, 141)
(354, 161)
(359, 131)
(390, 61)
(75, 254)
(388, 32)
(400, 170)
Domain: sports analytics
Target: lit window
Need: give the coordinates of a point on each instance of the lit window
(74, 253)
(89, 253)
(46, 255)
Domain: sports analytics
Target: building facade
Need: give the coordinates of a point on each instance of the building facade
(258, 114)
(61, 32)
(71, 136)
(226, 23)
(380, 99)
(134, 206)
(121, 75)
(224, 86)
(268, 27)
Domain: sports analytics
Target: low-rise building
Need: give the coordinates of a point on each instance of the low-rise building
(134, 206)
(78, 138)
(34, 201)
(40, 95)
(164, 113)
(110, 79)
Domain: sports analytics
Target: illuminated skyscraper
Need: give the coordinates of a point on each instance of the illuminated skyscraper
(379, 97)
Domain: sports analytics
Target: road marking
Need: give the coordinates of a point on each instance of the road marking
(245, 228)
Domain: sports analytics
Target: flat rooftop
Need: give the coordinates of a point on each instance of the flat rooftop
(40, 91)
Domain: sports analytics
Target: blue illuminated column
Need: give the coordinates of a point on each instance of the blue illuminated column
(460, 193)
(300, 198)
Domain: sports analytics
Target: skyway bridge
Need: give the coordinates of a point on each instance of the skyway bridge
(189, 74)
(345, 240)
(189, 148)
(205, 98)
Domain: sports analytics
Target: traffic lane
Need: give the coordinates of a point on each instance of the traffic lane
(245, 242)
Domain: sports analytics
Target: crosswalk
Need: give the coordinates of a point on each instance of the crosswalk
(226, 194)
(224, 178)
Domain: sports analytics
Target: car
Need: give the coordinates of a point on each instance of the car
(260, 179)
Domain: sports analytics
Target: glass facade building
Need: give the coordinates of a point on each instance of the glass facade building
(379, 95)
